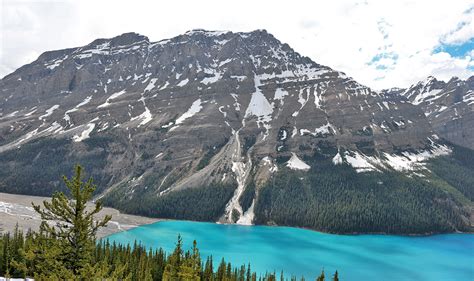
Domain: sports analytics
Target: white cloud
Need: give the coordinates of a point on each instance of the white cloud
(441, 65)
(345, 35)
(464, 29)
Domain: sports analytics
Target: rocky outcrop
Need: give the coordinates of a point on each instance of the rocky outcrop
(449, 107)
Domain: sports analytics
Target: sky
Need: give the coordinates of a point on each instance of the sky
(381, 44)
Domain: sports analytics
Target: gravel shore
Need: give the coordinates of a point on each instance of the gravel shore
(17, 209)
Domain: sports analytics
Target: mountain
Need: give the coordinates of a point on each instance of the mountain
(230, 127)
(448, 107)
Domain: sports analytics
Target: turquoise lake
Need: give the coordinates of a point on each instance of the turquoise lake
(304, 252)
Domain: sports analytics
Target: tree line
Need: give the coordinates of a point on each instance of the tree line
(31, 255)
(66, 248)
(337, 199)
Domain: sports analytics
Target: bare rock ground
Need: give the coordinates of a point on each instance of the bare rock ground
(17, 209)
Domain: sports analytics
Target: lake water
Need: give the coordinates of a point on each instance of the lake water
(304, 252)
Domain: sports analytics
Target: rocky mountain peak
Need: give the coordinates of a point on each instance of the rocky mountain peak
(448, 107)
(125, 39)
(209, 107)
(128, 39)
(216, 114)
(470, 81)
(424, 89)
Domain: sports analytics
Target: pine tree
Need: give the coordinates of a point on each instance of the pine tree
(195, 259)
(249, 273)
(335, 277)
(70, 223)
(208, 270)
(47, 259)
(174, 262)
(229, 271)
(221, 270)
(321, 277)
(65, 249)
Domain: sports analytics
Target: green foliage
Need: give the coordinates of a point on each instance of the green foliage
(235, 215)
(457, 169)
(205, 203)
(211, 151)
(338, 199)
(329, 198)
(46, 259)
(69, 224)
(65, 248)
(183, 267)
(34, 167)
(247, 196)
(36, 255)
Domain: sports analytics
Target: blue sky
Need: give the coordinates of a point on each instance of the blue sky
(381, 43)
(459, 50)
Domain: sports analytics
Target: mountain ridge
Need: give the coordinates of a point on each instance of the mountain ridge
(210, 115)
(447, 105)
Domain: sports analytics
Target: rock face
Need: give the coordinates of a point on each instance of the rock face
(153, 119)
(449, 107)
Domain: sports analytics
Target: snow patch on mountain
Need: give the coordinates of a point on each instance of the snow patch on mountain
(323, 130)
(32, 110)
(260, 107)
(280, 95)
(267, 161)
(409, 161)
(111, 97)
(302, 99)
(236, 102)
(164, 86)
(359, 161)
(55, 63)
(145, 117)
(403, 162)
(49, 111)
(296, 163)
(28, 136)
(183, 82)
(213, 79)
(84, 102)
(317, 99)
(433, 94)
(469, 98)
(248, 217)
(195, 108)
(151, 85)
(53, 128)
(84, 134)
(337, 159)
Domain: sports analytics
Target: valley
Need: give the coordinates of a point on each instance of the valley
(247, 141)
(237, 127)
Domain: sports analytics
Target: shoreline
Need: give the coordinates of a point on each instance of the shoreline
(16, 209)
(318, 231)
